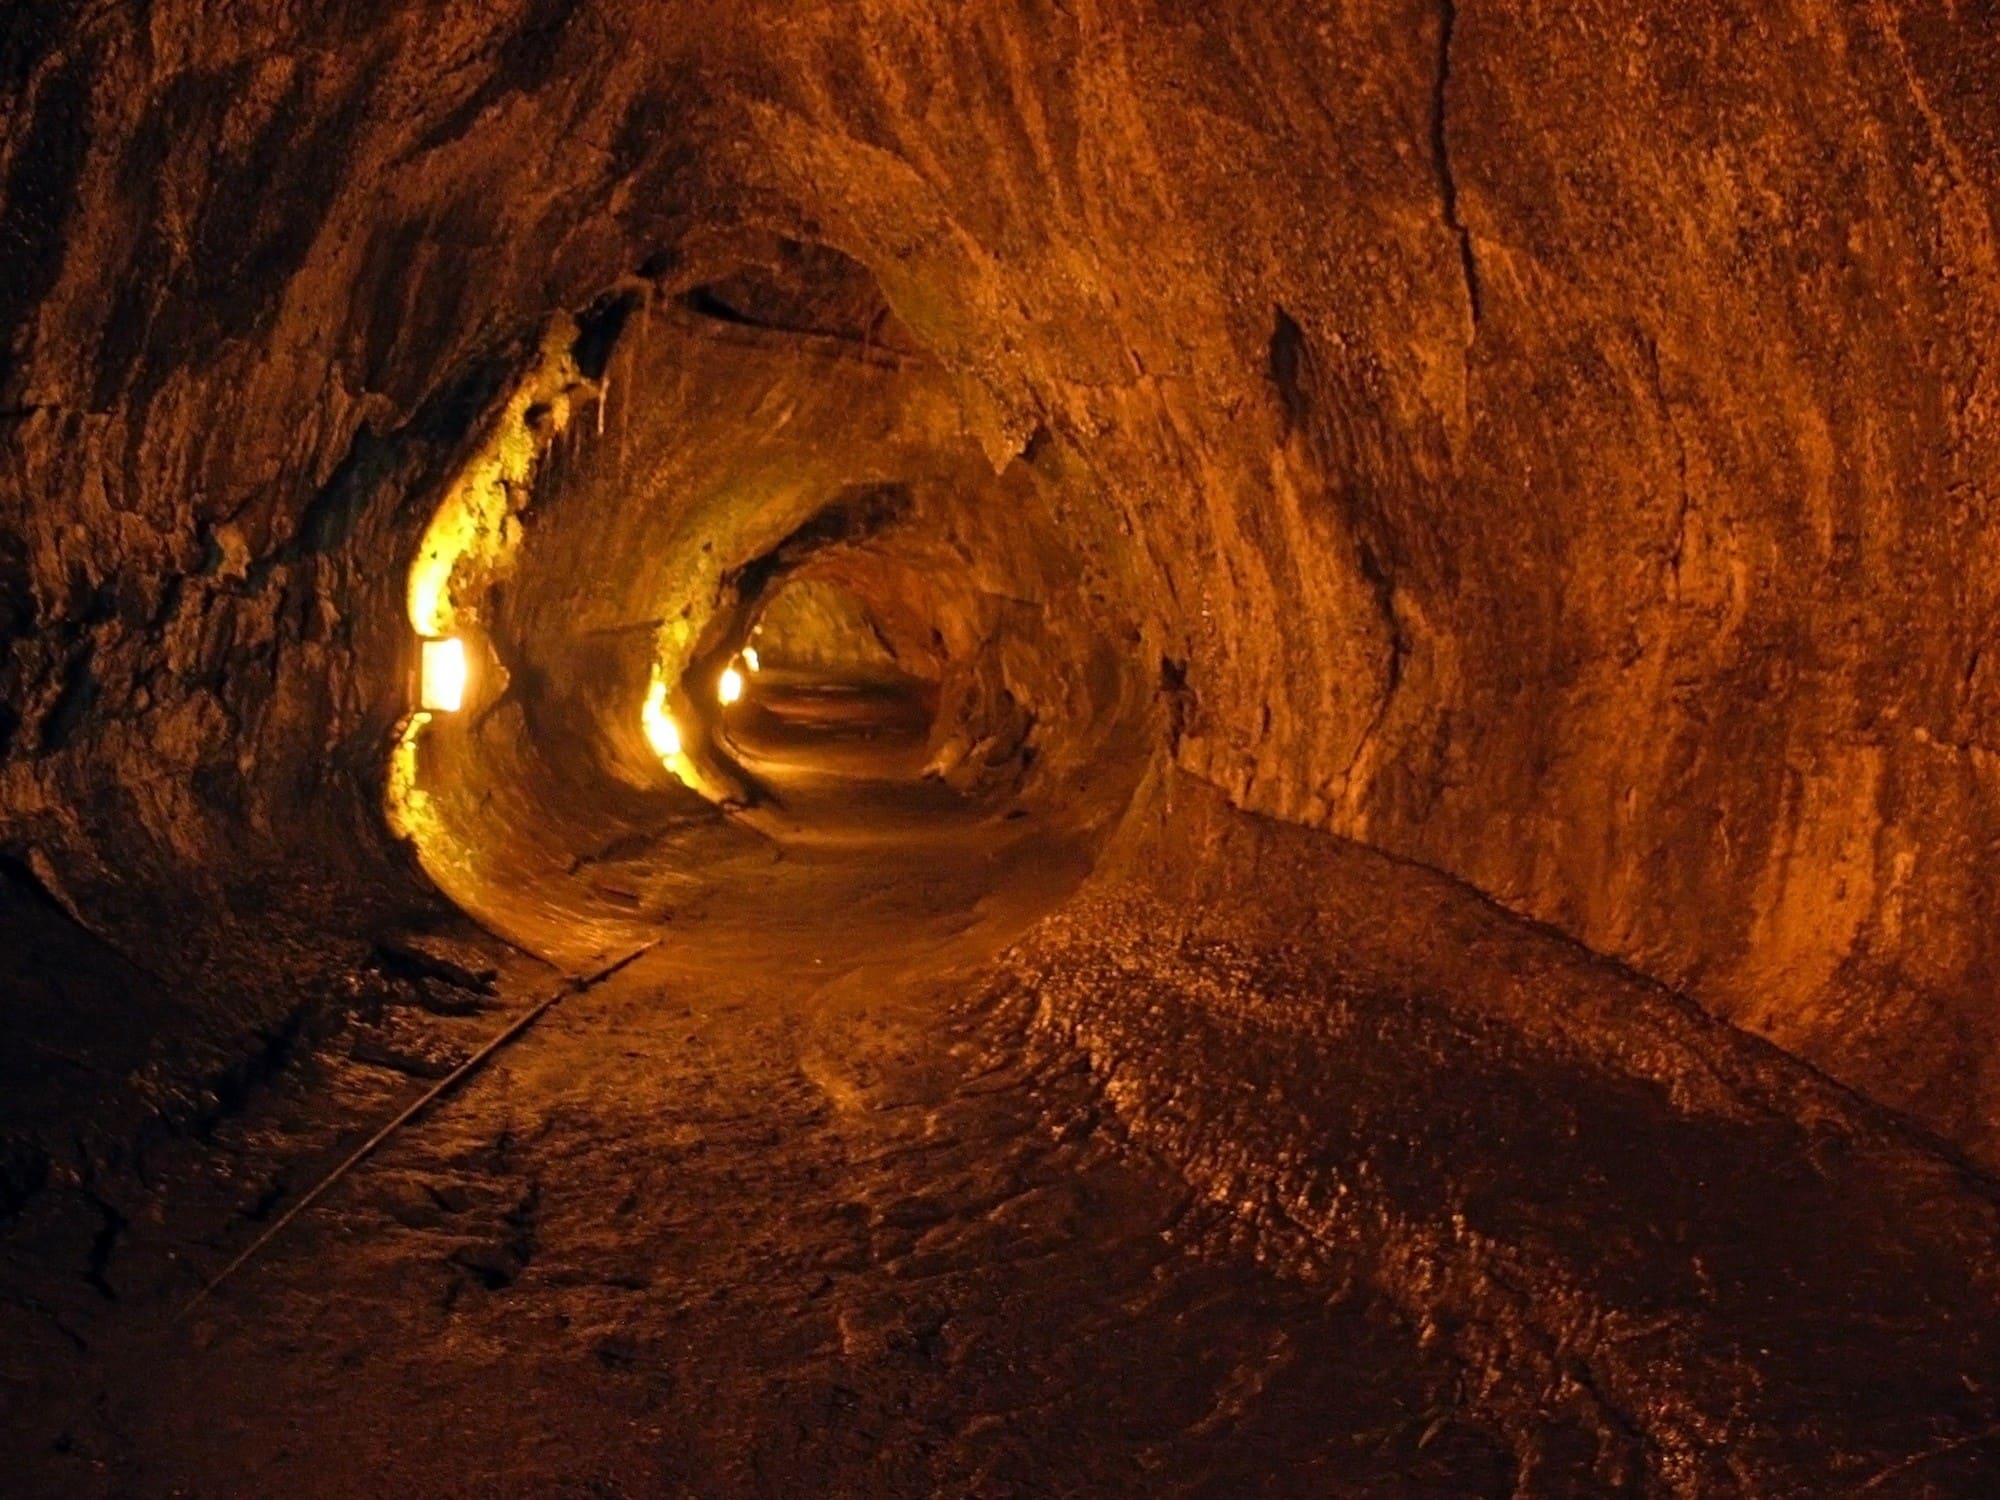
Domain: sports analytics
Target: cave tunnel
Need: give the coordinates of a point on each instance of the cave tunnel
(1002, 748)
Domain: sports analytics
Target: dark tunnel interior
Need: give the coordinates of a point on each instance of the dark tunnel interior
(1004, 748)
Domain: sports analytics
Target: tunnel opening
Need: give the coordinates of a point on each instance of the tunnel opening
(815, 670)
(760, 466)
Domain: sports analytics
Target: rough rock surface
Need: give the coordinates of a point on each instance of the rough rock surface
(1554, 448)
(1269, 1192)
(1551, 450)
(1663, 1255)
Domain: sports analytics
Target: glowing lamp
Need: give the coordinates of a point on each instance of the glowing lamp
(661, 732)
(729, 686)
(444, 674)
(750, 659)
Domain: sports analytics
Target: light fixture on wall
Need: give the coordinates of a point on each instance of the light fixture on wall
(444, 673)
(729, 686)
(661, 732)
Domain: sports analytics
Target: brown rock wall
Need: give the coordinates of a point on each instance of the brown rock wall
(1558, 447)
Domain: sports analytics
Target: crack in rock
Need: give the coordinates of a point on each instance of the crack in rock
(1441, 154)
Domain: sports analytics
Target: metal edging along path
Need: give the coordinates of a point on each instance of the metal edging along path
(437, 1091)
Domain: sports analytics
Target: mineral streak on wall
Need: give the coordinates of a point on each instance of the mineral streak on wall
(1557, 447)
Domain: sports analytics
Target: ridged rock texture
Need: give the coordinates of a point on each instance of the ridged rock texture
(1553, 449)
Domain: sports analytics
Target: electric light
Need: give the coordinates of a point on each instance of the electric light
(661, 732)
(444, 674)
(729, 686)
(750, 659)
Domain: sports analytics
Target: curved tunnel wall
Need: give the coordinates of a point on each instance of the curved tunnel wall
(1594, 513)
(705, 462)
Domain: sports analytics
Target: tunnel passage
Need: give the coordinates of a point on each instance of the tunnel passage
(816, 670)
(810, 625)
(767, 458)
(1393, 384)
(1442, 680)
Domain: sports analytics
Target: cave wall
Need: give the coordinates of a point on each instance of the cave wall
(1559, 473)
(257, 297)
(1557, 448)
(1761, 382)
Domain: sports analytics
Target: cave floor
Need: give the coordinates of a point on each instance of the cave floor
(899, 1167)
(780, 1208)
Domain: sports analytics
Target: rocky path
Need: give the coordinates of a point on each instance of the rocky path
(1264, 1165)
(693, 1243)
(781, 1209)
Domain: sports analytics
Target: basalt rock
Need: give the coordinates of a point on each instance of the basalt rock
(1555, 449)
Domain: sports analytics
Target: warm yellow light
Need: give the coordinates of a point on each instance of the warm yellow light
(729, 686)
(476, 530)
(750, 659)
(409, 804)
(444, 674)
(661, 731)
